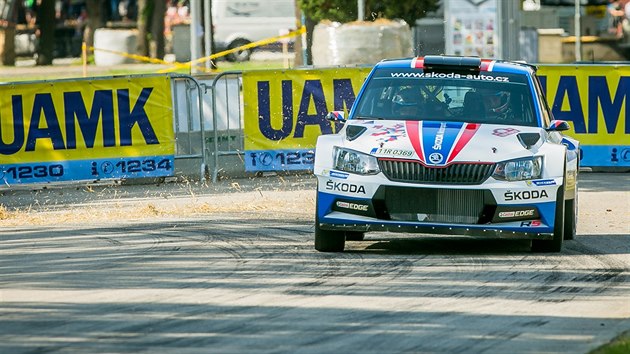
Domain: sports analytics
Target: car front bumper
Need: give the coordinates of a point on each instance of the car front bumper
(493, 209)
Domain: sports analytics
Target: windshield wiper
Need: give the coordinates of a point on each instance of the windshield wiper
(369, 118)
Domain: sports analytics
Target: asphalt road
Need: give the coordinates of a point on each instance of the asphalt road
(230, 268)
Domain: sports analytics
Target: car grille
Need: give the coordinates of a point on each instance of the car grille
(459, 206)
(415, 172)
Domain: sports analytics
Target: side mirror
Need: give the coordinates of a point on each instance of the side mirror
(558, 126)
(336, 116)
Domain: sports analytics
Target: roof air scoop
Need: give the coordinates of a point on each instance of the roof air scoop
(354, 131)
(445, 63)
(529, 140)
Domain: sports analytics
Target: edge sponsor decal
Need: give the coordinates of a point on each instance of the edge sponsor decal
(344, 187)
(353, 206)
(514, 213)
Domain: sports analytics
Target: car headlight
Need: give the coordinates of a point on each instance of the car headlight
(519, 170)
(354, 162)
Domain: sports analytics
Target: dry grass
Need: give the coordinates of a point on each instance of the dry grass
(259, 204)
(4, 213)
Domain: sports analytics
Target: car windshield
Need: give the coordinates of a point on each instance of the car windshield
(409, 94)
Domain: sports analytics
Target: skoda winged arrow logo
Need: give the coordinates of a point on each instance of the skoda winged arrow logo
(436, 157)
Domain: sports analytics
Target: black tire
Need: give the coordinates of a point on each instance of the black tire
(328, 240)
(571, 212)
(241, 55)
(355, 236)
(555, 244)
(570, 219)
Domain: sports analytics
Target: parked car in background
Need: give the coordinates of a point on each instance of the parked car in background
(448, 145)
(240, 22)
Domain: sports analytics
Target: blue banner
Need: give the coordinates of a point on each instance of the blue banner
(75, 170)
(279, 160)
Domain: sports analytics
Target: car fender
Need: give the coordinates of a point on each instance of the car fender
(573, 166)
(554, 160)
(324, 148)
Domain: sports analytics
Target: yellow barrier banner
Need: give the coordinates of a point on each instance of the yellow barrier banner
(285, 111)
(86, 129)
(594, 100)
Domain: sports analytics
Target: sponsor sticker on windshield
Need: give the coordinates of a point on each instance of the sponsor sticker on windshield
(434, 75)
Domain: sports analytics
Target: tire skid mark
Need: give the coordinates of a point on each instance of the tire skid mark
(581, 271)
(111, 241)
(341, 272)
(610, 272)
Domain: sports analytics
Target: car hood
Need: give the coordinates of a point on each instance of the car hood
(440, 143)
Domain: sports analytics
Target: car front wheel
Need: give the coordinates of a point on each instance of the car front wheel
(570, 219)
(328, 240)
(355, 236)
(571, 214)
(555, 244)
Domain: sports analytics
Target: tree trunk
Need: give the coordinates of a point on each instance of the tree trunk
(298, 59)
(310, 28)
(46, 27)
(7, 44)
(95, 20)
(7, 33)
(144, 14)
(157, 29)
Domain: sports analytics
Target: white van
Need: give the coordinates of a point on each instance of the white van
(239, 22)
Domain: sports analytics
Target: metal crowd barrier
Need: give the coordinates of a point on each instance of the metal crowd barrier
(227, 140)
(189, 132)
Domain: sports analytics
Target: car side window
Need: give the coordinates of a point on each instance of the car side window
(544, 107)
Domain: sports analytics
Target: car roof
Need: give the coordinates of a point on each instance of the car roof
(457, 63)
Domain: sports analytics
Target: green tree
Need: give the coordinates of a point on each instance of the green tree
(346, 11)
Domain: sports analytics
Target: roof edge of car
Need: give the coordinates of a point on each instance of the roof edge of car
(455, 62)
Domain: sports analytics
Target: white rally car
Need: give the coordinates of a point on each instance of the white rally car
(448, 145)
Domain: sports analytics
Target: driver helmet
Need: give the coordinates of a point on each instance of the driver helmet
(496, 102)
(407, 102)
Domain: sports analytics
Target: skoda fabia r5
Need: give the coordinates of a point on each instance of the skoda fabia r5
(448, 145)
